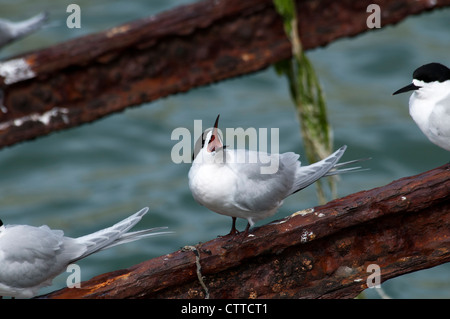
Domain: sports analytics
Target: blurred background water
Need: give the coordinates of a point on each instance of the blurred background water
(89, 177)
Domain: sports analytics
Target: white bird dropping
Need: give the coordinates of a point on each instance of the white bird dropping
(30, 257)
(226, 182)
(429, 104)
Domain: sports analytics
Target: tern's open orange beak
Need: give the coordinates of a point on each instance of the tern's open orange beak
(215, 143)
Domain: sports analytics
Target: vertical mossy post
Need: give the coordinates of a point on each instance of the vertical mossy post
(307, 94)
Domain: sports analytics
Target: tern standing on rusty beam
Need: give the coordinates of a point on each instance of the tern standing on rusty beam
(11, 31)
(234, 183)
(30, 257)
(429, 105)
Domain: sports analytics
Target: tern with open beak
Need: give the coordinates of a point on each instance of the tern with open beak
(229, 182)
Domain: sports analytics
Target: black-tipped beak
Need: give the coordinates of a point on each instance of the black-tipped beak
(215, 143)
(409, 87)
(216, 123)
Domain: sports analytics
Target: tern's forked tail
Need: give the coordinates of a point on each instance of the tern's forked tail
(118, 234)
(306, 175)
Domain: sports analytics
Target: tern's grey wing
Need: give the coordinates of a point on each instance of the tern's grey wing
(31, 256)
(306, 175)
(104, 238)
(260, 192)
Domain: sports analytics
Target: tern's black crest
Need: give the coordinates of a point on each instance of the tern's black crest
(432, 72)
(1, 223)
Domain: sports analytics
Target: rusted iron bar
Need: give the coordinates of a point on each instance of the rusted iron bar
(321, 253)
(84, 79)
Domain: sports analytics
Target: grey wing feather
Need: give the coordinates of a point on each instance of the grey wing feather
(257, 191)
(306, 175)
(35, 255)
(117, 234)
(133, 236)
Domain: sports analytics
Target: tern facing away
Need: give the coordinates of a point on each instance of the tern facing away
(429, 104)
(30, 257)
(226, 182)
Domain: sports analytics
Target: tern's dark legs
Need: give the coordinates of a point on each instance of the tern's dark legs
(233, 230)
(247, 228)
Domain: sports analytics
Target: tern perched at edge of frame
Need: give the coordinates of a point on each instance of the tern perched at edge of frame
(30, 257)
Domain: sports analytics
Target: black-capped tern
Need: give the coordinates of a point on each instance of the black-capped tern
(429, 104)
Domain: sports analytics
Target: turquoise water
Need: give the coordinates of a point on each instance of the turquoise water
(89, 177)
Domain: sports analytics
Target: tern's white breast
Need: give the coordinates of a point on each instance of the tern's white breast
(213, 186)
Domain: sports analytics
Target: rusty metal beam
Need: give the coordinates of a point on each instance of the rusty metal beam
(321, 253)
(87, 78)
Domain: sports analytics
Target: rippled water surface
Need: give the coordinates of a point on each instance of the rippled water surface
(89, 177)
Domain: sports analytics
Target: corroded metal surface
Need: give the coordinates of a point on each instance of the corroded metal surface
(320, 253)
(87, 78)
